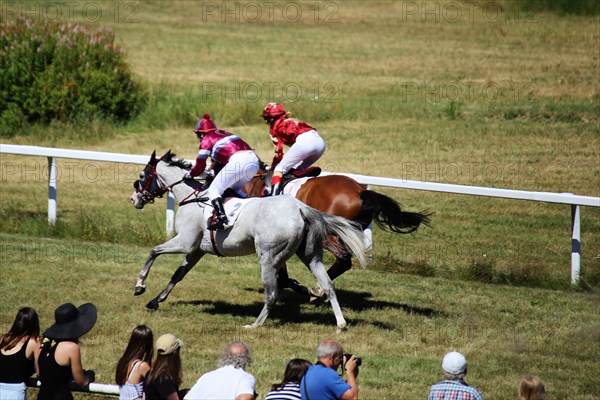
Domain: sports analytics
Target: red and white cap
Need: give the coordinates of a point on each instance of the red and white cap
(273, 110)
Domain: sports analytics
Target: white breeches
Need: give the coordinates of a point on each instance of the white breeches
(242, 167)
(309, 147)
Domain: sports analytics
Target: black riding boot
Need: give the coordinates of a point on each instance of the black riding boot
(219, 220)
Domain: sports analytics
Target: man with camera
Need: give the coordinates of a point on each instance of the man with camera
(322, 382)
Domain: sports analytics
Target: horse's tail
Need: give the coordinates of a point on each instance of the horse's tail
(350, 233)
(387, 213)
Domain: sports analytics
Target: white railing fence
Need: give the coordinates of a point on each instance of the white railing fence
(109, 391)
(574, 201)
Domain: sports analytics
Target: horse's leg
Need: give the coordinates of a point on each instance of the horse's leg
(312, 256)
(341, 196)
(272, 255)
(318, 269)
(343, 263)
(191, 259)
(284, 281)
(172, 246)
(269, 279)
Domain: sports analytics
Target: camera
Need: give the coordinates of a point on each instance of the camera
(358, 360)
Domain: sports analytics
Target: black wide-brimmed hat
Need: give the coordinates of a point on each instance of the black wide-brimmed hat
(72, 322)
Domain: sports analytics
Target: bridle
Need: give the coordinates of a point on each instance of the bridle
(152, 185)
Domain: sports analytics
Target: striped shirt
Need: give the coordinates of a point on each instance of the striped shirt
(289, 391)
(220, 146)
(453, 390)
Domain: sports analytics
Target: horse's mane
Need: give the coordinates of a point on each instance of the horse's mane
(173, 161)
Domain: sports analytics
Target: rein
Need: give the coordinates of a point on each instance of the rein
(197, 199)
(147, 194)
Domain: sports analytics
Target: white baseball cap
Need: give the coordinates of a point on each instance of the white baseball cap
(454, 363)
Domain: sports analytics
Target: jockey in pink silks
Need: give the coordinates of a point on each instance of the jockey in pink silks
(235, 163)
(306, 146)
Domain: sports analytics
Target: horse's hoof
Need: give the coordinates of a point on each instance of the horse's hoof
(139, 290)
(317, 291)
(340, 329)
(250, 326)
(318, 296)
(152, 305)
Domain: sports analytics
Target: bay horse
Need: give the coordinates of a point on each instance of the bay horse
(343, 196)
(275, 228)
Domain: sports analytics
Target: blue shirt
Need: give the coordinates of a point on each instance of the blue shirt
(322, 383)
(453, 390)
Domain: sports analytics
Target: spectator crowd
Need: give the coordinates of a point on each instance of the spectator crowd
(55, 357)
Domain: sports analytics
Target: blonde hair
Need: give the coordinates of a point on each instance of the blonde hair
(288, 114)
(532, 388)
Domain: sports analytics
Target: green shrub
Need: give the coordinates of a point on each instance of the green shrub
(63, 72)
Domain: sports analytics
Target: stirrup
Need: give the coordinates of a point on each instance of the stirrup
(215, 224)
(219, 218)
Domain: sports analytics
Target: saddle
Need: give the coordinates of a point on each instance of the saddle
(295, 174)
(302, 173)
(232, 206)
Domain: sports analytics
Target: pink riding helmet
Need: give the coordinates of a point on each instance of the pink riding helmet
(205, 125)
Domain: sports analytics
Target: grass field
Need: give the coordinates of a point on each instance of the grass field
(499, 97)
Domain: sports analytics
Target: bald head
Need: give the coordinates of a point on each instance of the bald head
(236, 354)
(237, 348)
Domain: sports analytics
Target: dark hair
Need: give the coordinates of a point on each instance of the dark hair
(294, 371)
(140, 347)
(168, 364)
(27, 324)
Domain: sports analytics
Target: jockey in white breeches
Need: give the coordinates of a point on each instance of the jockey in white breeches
(235, 164)
(306, 146)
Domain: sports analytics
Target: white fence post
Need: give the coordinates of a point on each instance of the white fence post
(99, 388)
(369, 234)
(52, 191)
(575, 243)
(170, 213)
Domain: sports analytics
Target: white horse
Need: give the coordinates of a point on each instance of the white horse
(275, 228)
